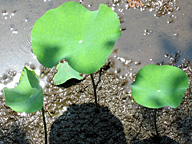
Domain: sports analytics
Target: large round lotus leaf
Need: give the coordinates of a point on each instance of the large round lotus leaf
(158, 86)
(84, 38)
(65, 72)
(27, 96)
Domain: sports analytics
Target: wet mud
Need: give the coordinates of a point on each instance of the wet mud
(158, 32)
(73, 118)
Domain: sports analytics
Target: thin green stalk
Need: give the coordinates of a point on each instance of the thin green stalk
(45, 127)
(155, 112)
(95, 94)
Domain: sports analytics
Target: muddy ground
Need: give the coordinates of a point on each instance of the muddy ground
(120, 119)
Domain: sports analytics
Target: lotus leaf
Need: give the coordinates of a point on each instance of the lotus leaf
(27, 96)
(65, 72)
(84, 38)
(158, 86)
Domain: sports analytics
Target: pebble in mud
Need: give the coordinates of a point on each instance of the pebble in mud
(46, 0)
(30, 65)
(13, 29)
(9, 15)
(7, 77)
(4, 13)
(147, 32)
(162, 7)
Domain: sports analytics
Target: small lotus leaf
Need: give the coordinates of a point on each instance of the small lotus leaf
(158, 86)
(84, 38)
(65, 72)
(27, 96)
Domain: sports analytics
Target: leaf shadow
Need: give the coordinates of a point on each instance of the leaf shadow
(148, 123)
(155, 140)
(82, 124)
(13, 134)
(49, 55)
(70, 83)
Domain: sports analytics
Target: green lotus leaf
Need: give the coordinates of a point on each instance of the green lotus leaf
(158, 86)
(65, 72)
(27, 96)
(84, 38)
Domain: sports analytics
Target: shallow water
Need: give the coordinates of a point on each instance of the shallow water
(145, 39)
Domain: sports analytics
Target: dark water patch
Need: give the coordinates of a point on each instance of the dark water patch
(188, 53)
(167, 44)
(191, 25)
(81, 124)
(171, 48)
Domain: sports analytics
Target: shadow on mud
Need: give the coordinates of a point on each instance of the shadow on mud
(14, 135)
(70, 83)
(81, 124)
(148, 123)
(155, 140)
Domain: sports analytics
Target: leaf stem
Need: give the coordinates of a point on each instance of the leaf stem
(155, 113)
(100, 73)
(45, 127)
(95, 94)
